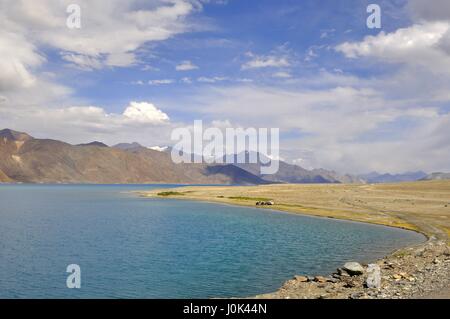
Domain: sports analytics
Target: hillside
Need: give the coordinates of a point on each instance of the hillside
(31, 160)
(289, 173)
(26, 159)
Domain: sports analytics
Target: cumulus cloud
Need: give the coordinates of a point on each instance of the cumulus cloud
(140, 121)
(186, 66)
(144, 112)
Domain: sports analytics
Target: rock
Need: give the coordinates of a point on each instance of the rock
(310, 278)
(348, 283)
(301, 278)
(342, 272)
(373, 276)
(333, 280)
(356, 295)
(320, 279)
(353, 268)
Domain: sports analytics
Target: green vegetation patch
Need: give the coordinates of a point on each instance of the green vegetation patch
(170, 194)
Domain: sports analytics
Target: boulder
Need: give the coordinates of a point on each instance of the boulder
(353, 268)
(373, 276)
(301, 278)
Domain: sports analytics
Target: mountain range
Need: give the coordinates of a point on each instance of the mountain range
(31, 160)
(26, 159)
(375, 177)
(436, 176)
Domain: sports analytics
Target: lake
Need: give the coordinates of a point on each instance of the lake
(132, 247)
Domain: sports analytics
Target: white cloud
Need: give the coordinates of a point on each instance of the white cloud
(144, 112)
(140, 121)
(214, 79)
(420, 44)
(138, 82)
(83, 62)
(17, 58)
(337, 126)
(111, 31)
(265, 61)
(326, 33)
(282, 75)
(424, 10)
(113, 34)
(244, 80)
(160, 82)
(310, 55)
(186, 66)
(186, 80)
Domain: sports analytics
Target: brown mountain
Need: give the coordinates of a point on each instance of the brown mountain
(26, 159)
(289, 173)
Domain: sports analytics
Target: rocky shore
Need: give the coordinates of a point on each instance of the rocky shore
(416, 272)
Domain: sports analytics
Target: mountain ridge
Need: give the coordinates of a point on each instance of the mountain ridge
(31, 160)
(24, 158)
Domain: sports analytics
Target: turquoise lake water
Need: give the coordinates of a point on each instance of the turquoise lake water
(131, 247)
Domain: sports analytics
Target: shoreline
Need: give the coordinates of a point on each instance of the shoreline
(416, 271)
(280, 211)
(413, 272)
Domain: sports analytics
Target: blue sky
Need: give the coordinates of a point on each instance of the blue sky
(219, 48)
(343, 95)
